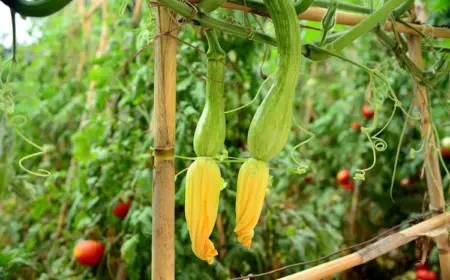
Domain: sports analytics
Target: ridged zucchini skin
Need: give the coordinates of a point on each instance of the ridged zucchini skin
(209, 135)
(271, 123)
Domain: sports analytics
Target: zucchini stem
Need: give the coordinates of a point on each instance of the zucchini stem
(210, 5)
(215, 51)
(303, 5)
(220, 25)
(367, 24)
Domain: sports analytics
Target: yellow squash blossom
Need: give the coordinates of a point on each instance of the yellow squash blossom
(253, 180)
(202, 202)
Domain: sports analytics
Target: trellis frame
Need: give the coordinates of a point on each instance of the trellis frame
(163, 252)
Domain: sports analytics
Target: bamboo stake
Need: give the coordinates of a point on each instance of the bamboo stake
(85, 23)
(100, 50)
(371, 252)
(163, 200)
(137, 13)
(431, 160)
(316, 14)
(353, 211)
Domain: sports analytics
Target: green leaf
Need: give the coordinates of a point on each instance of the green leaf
(440, 5)
(24, 189)
(128, 249)
(223, 184)
(101, 75)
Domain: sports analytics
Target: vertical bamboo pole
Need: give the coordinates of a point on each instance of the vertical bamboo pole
(431, 160)
(137, 13)
(163, 200)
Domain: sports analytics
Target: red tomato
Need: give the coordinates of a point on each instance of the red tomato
(421, 266)
(445, 147)
(367, 111)
(309, 178)
(349, 186)
(88, 252)
(121, 209)
(343, 177)
(405, 182)
(424, 274)
(356, 125)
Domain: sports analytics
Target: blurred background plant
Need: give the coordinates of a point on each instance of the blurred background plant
(88, 99)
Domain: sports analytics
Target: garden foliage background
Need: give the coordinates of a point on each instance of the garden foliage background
(100, 150)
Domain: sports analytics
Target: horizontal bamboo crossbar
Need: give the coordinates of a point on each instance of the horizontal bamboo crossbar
(371, 252)
(316, 14)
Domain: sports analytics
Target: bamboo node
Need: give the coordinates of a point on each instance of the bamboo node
(163, 155)
(436, 210)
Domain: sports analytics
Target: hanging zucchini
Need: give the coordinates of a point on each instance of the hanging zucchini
(271, 123)
(203, 179)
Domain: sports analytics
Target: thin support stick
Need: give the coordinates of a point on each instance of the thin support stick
(371, 252)
(137, 13)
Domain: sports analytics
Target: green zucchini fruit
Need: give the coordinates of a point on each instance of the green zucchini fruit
(271, 123)
(210, 132)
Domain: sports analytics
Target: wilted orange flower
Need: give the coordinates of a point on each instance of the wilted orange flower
(201, 205)
(253, 180)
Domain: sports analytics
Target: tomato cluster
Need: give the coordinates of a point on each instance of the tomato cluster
(90, 252)
(426, 275)
(343, 178)
(423, 273)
